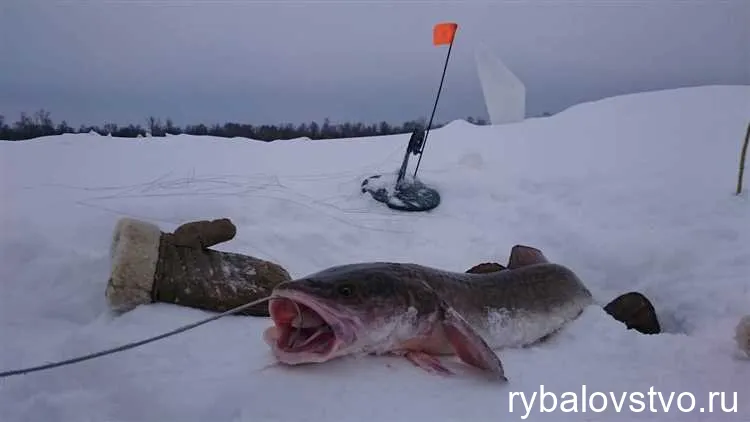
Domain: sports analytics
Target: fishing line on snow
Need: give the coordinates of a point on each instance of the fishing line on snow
(132, 344)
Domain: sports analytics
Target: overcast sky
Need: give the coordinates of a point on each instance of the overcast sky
(249, 61)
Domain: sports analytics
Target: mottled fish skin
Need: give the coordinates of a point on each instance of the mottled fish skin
(509, 308)
(422, 312)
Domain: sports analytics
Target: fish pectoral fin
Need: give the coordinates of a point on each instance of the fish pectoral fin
(469, 345)
(521, 256)
(427, 362)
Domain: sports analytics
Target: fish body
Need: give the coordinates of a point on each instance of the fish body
(421, 312)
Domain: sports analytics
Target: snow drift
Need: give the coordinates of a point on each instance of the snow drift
(632, 192)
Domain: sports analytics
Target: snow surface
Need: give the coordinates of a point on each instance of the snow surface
(632, 193)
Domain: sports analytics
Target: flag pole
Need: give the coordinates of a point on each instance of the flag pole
(434, 107)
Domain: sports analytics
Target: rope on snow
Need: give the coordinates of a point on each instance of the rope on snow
(131, 345)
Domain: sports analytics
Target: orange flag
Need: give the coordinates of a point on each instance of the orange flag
(443, 33)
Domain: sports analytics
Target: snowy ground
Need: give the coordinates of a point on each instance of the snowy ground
(633, 193)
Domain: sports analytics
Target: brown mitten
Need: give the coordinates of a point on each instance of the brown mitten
(635, 311)
(204, 234)
(149, 265)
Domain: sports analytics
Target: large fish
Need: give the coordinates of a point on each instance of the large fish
(422, 313)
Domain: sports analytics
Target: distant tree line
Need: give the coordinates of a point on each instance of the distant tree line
(40, 124)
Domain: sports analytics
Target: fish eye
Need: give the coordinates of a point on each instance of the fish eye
(346, 290)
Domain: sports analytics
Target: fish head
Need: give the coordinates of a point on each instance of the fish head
(343, 310)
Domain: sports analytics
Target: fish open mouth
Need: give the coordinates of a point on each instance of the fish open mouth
(304, 331)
